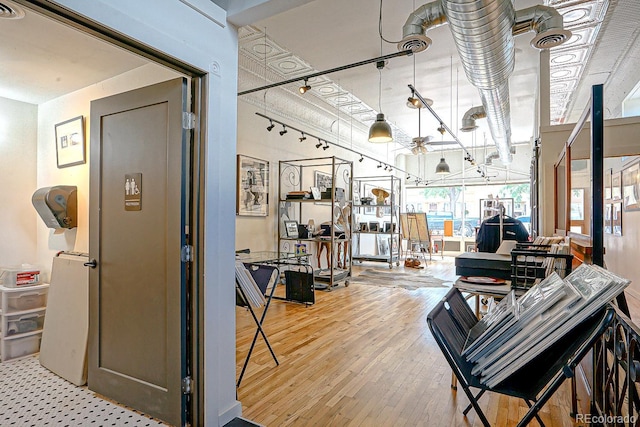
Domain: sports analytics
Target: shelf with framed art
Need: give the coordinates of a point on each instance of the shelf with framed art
(376, 219)
(314, 215)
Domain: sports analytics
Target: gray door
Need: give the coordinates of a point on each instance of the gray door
(137, 330)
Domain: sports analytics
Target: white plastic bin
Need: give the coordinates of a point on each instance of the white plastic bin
(16, 277)
(21, 347)
(27, 299)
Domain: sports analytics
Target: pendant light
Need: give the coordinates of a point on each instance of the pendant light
(442, 168)
(380, 131)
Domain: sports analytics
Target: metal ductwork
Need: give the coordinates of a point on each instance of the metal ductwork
(483, 32)
(495, 155)
(469, 119)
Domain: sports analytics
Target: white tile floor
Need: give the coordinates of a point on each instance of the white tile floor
(32, 396)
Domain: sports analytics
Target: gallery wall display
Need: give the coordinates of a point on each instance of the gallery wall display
(252, 198)
(70, 148)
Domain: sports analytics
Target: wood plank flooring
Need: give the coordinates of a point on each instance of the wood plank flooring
(364, 356)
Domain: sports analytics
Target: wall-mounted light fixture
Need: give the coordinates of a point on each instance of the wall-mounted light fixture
(283, 131)
(302, 138)
(271, 126)
(319, 143)
(326, 145)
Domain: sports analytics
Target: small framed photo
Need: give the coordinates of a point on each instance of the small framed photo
(631, 187)
(374, 226)
(616, 186)
(616, 218)
(70, 147)
(364, 227)
(315, 192)
(291, 229)
(323, 180)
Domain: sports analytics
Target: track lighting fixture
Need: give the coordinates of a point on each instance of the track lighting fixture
(305, 88)
(324, 143)
(408, 176)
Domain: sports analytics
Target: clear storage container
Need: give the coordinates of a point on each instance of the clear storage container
(19, 276)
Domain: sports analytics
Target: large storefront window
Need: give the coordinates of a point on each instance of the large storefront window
(463, 206)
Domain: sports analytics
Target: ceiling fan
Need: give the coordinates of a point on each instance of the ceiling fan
(425, 144)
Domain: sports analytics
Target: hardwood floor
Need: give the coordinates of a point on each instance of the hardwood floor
(364, 356)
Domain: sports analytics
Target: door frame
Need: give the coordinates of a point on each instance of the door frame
(195, 217)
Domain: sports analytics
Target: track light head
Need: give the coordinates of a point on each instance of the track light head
(319, 143)
(305, 88)
(361, 159)
(302, 138)
(380, 165)
(271, 126)
(284, 130)
(326, 145)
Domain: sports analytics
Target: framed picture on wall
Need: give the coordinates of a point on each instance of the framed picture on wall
(70, 148)
(616, 186)
(616, 218)
(607, 218)
(252, 186)
(607, 184)
(631, 187)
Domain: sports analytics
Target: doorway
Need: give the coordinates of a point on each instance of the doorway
(141, 62)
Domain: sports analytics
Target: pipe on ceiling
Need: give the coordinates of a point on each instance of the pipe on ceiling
(483, 33)
(470, 116)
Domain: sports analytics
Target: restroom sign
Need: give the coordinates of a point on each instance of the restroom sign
(133, 192)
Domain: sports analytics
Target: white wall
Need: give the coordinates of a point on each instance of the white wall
(207, 43)
(58, 110)
(18, 121)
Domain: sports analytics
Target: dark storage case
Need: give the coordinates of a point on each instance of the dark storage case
(484, 264)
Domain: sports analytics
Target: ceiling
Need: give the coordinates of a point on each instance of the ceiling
(324, 34)
(282, 39)
(41, 59)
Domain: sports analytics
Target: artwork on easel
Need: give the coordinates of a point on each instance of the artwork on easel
(414, 226)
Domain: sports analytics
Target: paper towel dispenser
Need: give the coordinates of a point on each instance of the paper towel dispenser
(57, 205)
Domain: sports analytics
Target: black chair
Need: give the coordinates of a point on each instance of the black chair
(262, 275)
(535, 383)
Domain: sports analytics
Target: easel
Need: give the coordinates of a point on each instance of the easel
(415, 230)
